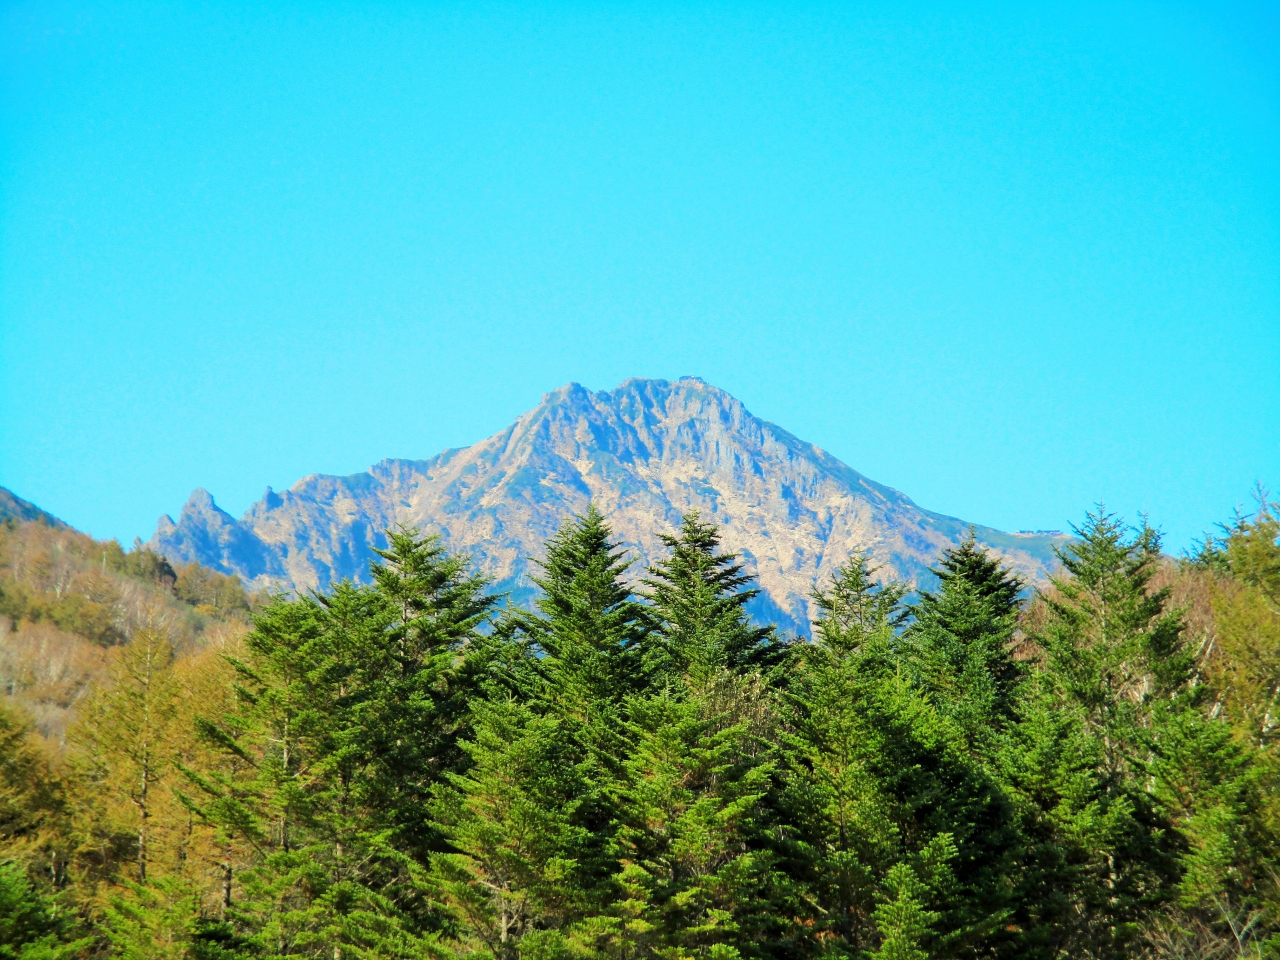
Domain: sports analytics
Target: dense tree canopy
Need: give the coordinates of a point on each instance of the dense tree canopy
(633, 768)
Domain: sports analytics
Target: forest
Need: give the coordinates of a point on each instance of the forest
(633, 767)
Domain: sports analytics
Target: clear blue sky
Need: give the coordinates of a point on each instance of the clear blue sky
(1009, 262)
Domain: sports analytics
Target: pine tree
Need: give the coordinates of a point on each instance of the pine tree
(698, 605)
(875, 785)
(959, 645)
(515, 878)
(694, 865)
(588, 629)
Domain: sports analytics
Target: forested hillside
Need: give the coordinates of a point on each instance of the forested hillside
(68, 602)
(635, 769)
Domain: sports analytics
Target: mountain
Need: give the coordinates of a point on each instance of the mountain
(645, 453)
(13, 507)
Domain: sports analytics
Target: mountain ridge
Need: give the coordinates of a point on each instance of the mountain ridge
(645, 452)
(14, 507)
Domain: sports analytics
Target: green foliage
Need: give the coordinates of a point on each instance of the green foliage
(517, 868)
(1113, 648)
(33, 926)
(698, 606)
(588, 628)
(692, 865)
(876, 784)
(140, 563)
(959, 646)
(857, 606)
(396, 770)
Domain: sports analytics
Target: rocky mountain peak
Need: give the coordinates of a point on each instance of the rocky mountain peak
(645, 453)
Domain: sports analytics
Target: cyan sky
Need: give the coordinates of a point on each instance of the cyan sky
(1009, 262)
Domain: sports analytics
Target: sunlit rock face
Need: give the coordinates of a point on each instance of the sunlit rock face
(645, 453)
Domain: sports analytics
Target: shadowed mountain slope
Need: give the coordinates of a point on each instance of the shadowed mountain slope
(13, 507)
(645, 453)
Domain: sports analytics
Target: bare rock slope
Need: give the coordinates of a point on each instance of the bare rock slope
(644, 453)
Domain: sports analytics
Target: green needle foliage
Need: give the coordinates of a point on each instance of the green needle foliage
(697, 602)
(960, 644)
(635, 770)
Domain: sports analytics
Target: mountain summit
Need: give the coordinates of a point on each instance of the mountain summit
(644, 453)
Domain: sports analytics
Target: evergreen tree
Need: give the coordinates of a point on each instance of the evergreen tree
(350, 711)
(857, 607)
(698, 606)
(959, 645)
(877, 793)
(1214, 791)
(588, 629)
(290, 789)
(1112, 646)
(412, 657)
(1100, 854)
(515, 881)
(694, 867)
(33, 926)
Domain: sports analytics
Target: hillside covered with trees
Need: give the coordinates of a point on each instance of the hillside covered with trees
(632, 768)
(68, 602)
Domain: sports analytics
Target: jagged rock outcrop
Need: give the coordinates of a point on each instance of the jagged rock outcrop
(645, 453)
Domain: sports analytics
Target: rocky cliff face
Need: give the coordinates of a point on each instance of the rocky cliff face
(645, 453)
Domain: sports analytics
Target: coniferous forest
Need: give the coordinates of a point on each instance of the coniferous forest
(634, 768)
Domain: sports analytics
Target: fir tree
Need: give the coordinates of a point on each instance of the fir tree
(857, 607)
(515, 873)
(411, 659)
(873, 778)
(959, 645)
(1112, 646)
(34, 926)
(698, 605)
(693, 861)
(1101, 857)
(588, 628)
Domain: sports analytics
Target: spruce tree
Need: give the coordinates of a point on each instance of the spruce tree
(875, 786)
(33, 925)
(959, 645)
(1112, 646)
(698, 597)
(695, 869)
(588, 628)
(516, 878)
(1100, 854)
(412, 658)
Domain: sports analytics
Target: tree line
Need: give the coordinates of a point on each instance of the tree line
(636, 769)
